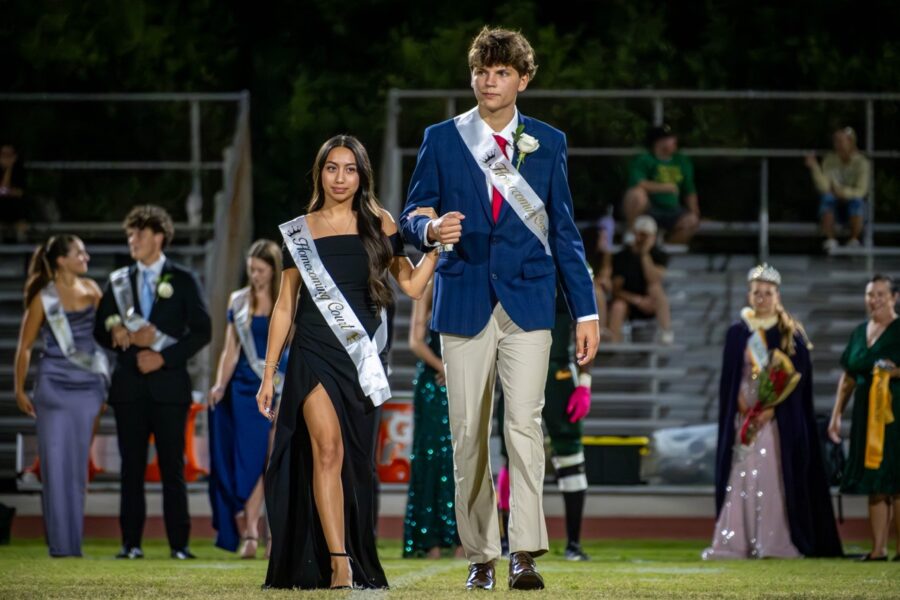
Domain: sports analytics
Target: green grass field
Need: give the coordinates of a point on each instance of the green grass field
(619, 569)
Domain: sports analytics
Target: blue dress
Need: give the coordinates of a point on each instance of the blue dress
(66, 400)
(238, 441)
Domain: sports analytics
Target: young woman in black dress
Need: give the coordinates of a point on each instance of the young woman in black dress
(320, 483)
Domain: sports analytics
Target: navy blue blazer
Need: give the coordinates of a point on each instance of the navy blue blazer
(505, 255)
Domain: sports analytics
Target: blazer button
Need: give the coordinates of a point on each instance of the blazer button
(494, 240)
(493, 276)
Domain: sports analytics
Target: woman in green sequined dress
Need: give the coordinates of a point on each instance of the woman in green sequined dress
(875, 341)
(430, 524)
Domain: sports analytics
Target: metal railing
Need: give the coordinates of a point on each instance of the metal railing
(392, 173)
(196, 165)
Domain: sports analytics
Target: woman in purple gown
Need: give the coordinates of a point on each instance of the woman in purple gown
(772, 498)
(71, 382)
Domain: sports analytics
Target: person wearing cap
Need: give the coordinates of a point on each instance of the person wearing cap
(842, 181)
(772, 495)
(661, 184)
(638, 270)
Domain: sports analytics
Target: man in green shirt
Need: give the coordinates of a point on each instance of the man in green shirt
(661, 183)
(842, 181)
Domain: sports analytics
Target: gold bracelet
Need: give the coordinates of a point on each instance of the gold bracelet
(271, 365)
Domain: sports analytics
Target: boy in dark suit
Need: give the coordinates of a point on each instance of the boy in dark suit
(154, 316)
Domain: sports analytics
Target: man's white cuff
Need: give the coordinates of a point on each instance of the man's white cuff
(425, 241)
(594, 317)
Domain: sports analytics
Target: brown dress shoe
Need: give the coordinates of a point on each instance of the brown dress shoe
(523, 574)
(481, 576)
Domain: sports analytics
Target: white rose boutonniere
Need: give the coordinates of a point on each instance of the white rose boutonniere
(164, 289)
(525, 144)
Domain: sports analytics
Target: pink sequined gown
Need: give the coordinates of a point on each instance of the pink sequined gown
(753, 522)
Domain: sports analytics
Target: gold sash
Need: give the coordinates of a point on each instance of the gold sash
(880, 415)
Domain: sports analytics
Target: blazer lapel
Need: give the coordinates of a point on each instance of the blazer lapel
(504, 208)
(478, 178)
(166, 269)
(132, 277)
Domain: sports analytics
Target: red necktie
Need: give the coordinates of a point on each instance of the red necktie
(496, 196)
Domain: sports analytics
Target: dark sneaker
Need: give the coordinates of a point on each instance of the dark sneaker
(183, 554)
(130, 553)
(575, 553)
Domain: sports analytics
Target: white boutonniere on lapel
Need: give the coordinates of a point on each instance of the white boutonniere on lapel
(164, 288)
(525, 144)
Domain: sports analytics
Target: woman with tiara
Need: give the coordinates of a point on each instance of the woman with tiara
(772, 498)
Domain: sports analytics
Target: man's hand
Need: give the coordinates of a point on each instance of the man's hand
(143, 337)
(810, 160)
(447, 229)
(120, 337)
(149, 361)
(587, 339)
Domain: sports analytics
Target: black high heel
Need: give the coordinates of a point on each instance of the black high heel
(350, 560)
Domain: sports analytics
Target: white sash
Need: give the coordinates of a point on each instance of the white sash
(503, 175)
(337, 312)
(243, 321)
(759, 349)
(62, 331)
(131, 318)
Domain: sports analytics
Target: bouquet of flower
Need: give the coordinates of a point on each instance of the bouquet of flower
(776, 382)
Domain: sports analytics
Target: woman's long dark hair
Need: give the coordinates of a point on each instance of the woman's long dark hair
(368, 215)
(42, 267)
(270, 253)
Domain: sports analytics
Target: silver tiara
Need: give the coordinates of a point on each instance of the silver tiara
(764, 272)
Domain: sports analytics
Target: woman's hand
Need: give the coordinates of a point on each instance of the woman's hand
(763, 418)
(440, 377)
(120, 337)
(25, 405)
(264, 398)
(834, 429)
(216, 393)
(424, 211)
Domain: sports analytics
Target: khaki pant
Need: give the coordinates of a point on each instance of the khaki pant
(472, 364)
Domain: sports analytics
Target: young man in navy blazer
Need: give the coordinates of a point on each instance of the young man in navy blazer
(499, 181)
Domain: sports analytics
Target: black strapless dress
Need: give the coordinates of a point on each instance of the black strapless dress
(300, 556)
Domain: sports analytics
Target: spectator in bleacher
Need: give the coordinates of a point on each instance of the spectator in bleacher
(154, 316)
(842, 181)
(71, 383)
(871, 377)
(13, 208)
(661, 184)
(239, 435)
(772, 495)
(638, 270)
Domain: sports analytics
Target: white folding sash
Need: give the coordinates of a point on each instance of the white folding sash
(338, 313)
(759, 349)
(524, 201)
(62, 331)
(243, 322)
(131, 318)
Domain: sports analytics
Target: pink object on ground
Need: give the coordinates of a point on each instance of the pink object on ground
(503, 488)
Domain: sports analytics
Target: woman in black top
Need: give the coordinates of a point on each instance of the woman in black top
(320, 483)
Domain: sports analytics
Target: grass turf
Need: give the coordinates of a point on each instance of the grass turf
(618, 569)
